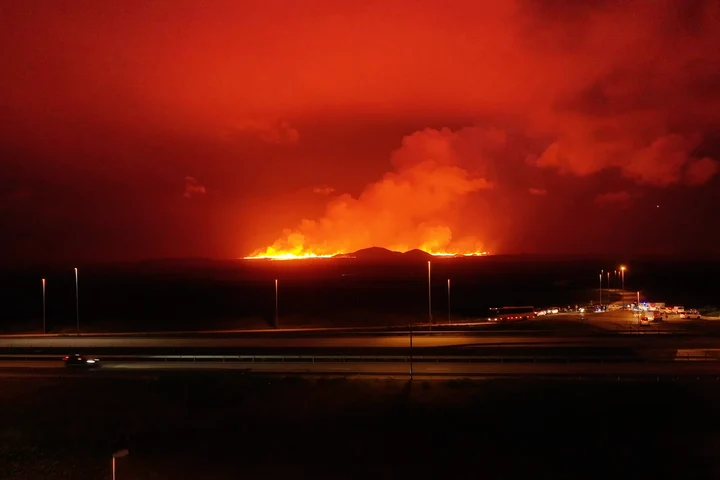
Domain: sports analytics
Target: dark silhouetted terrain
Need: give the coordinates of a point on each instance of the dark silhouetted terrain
(206, 294)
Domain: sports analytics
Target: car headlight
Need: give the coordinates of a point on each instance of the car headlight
(91, 361)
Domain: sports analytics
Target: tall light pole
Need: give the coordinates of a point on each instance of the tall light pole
(411, 357)
(608, 280)
(43, 288)
(77, 302)
(622, 276)
(276, 304)
(118, 454)
(449, 300)
(601, 275)
(429, 297)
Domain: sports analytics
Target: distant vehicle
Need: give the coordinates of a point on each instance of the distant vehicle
(677, 309)
(507, 314)
(79, 360)
(652, 317)
(690, 314)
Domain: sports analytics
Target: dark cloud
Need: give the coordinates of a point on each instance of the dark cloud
(193, 188)
(621, 199)
(280, 131)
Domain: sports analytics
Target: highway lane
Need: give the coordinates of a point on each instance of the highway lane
(352, 341)
(452, 369)
(389, 341)
(478, 326)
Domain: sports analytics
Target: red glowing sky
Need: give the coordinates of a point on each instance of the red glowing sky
(134, 129)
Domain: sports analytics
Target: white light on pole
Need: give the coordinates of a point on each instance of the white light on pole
(622, 276)
(411, 346)
(608, 280)
(449, 301)
(77, 302)
(429, 296)
(276, 304)
(43, 288)
(601, 275)
(118, 454)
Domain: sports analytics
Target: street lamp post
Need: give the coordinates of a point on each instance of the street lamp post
(429, 297)
(411, 346)
(77, 302)
(622, 276)
(449, 301)
(43, 288)
(118, 454)
(601, 275)
(277, 315)
(608, 280)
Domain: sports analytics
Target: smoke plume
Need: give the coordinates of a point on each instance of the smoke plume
(408, 207)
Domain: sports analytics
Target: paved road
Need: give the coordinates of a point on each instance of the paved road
(451, 369)
(358, 341)
(479, 324)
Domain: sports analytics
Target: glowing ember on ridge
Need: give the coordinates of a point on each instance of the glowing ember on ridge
(303, 256)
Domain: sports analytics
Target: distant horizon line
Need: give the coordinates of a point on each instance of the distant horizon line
(617, 257)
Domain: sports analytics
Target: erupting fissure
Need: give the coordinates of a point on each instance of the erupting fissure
(301, 256)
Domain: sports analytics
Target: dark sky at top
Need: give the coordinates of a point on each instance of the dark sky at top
(134, 129)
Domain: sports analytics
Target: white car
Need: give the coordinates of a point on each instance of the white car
(690, 314)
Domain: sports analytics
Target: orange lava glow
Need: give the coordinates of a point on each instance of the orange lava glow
(270, 254)
(286, 256)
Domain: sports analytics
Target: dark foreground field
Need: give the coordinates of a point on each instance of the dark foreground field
(213, 426)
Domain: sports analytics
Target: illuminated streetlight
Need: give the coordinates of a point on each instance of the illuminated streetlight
(276, 303)
(43, 288)
(448, 300)
(622, 275)
(77, 302)
(411, 356)
(429, 297)
(118, 454)
(601, 275)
